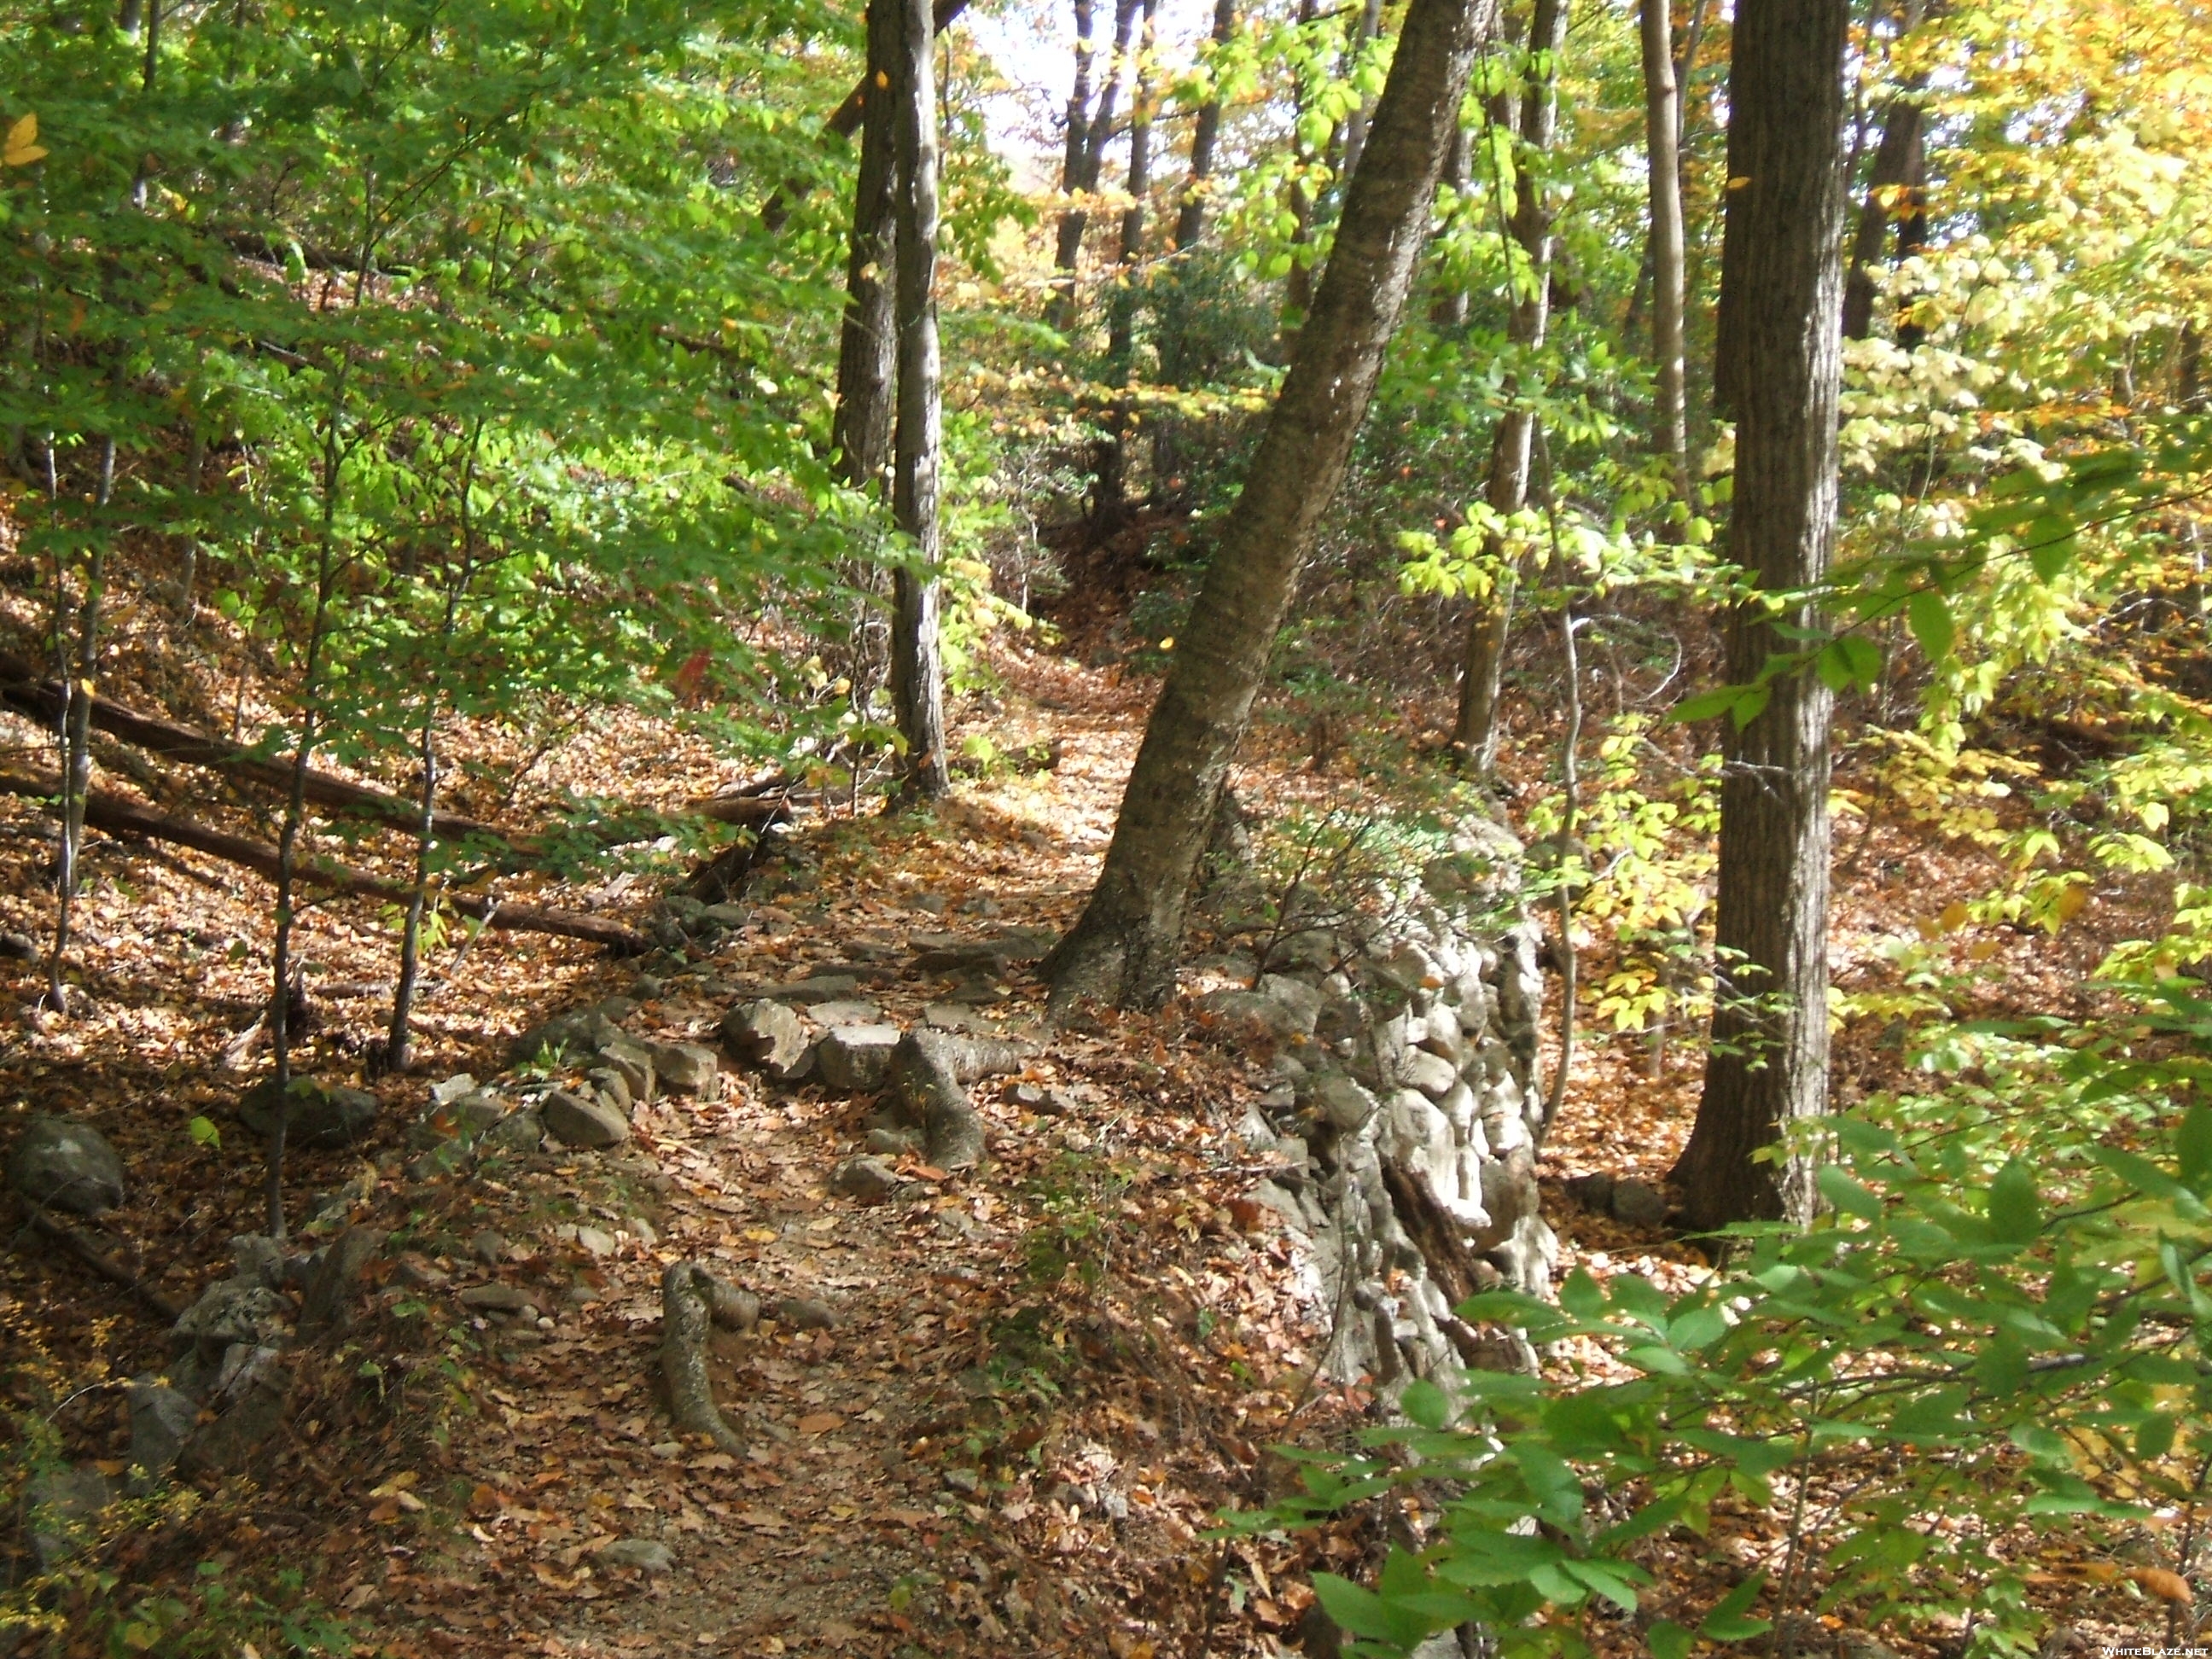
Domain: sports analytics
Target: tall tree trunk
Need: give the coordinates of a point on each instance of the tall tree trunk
(76, 728)
(1298, 286)
(1109, 490)
(1355, 124)
(1777, 364)
(1087, 159)
(1895, 186)
(1204, 139)
(917, 667)
(1481, 675)
(1126, 945)
(868, 347)
(1663, 129)
(1070, 240)
(1450, 310)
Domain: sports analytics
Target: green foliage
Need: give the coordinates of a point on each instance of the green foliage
(2006, 1319)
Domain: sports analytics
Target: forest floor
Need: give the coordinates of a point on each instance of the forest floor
(1016, 1398)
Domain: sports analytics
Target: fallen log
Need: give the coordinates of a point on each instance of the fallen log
(22, 691)
(928, 1070)
(103, 811)
(57, 1231)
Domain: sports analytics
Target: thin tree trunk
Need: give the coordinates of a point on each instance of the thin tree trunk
(1355, 124)
(1109, 491)
(1450, 310)
(1777, 364)
(1204, 139)
(399, 1039)
(1663, 127)
(1090, 159)
(917, 669)
(1894, 184)
(1298, 285)
(1126, 945)
(77, 736)
(1529, 231)
(1061, 312)
(867, 347)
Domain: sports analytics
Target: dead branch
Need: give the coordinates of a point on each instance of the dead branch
(118, 816)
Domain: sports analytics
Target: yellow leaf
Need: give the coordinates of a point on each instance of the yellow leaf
(1955, 916)
(2071, 903)
(2166, 1586)
(21, 147)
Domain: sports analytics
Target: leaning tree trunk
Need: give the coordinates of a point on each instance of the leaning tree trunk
(1125, 947)
(917, 667)
(1662, 128)
(1482, 674)
(867, 349)
(1777, 363)
(1204, 139)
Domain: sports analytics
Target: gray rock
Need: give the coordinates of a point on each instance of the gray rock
(768, 1035)
(228, 1444)
(1301, 1001)
(519, 1132)
(1638, 1203)
(1432, 1074)
(806, 1313)
(258, 1258)
(726, 915)
(461, 1117)
(1593, 1191)
(894, 1142)
(66, 1165)
(805, 993)
(230, 1310)
(578, 1121)
(316, 1116)
(1344, 1102)
(627, 1059)
(612, 1086)
(1509, 1194)
(498, 1298)
(330, 1291)
(161, 1420)
(453, 1088)
(646, 1554)
(856, 1059)
(64, 1506)
(489, 1247)
(595, 1242)
(585, 1032)
(857, 1011)
(1236, 1007)
(690, 1068)
(869, 1179)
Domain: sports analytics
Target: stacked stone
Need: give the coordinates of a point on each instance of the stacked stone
(1406, 1116)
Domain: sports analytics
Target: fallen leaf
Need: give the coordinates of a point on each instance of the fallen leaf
(820, 1422)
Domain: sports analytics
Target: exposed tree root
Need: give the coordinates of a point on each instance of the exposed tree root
(928, 1071)
(687, 1315)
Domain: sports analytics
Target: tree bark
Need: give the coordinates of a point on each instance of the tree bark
(1663, 127)
(1777, 365)
(917, 668)
(867, 347)
(1079, 175)
(843, 123)
(1895, 185)
(1204, 139)
(1126, 944)
(1355, 124)
(1450, 309)
(1481, 675)
(1110, 489)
